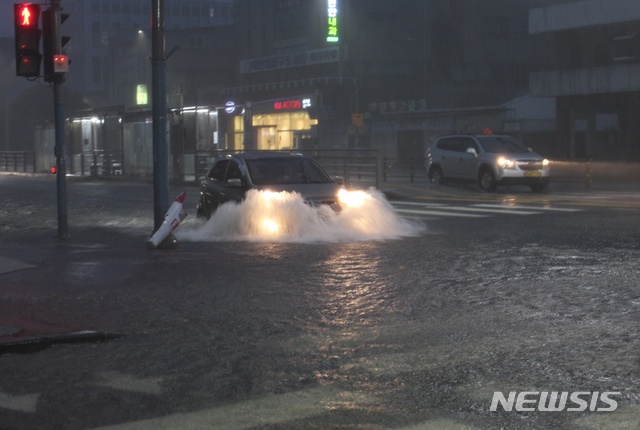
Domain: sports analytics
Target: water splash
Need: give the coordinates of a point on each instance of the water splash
(265, 216)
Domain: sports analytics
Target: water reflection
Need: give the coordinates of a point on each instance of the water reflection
(355, 291)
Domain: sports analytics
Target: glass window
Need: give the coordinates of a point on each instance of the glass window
(495, 144)
(218, 170)
(271, 171)
(284, 121)
(234, 171)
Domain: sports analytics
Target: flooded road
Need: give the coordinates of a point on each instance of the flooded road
(413, 332)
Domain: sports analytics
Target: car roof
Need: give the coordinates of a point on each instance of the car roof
(257, 155)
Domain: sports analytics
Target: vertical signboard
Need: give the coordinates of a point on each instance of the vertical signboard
(332, 21)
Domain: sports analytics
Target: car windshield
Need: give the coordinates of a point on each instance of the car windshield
(271, 171)
(502, 144)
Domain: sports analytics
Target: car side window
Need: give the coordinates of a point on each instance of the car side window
(469, 143)
(234, 171)
(218, 171)
(448, 144)
(455, 144)
(459, 145)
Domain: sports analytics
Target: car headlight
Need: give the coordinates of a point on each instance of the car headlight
(354, 198)
(506, 163)
(545, 163)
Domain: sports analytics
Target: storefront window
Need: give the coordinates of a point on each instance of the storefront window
(237, 134)
(277, 131)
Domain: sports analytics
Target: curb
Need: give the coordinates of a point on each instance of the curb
(26, 336)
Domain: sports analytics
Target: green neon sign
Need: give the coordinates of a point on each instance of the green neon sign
(332, 21)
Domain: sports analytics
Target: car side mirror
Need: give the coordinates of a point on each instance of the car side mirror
(339, 180)
(234, 183)
(472, 151)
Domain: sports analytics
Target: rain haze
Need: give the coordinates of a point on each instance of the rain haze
(320, 214)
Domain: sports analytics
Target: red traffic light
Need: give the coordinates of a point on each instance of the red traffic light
(54, 169)
(26, 15)
(27, 39)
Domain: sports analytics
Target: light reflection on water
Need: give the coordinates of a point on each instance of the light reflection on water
(354, 291)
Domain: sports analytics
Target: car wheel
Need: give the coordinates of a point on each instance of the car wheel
(435, 175)
(201, 211)
(205, 209)
(487, 180)
(536, 188)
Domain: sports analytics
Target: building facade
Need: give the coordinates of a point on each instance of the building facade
(397, 74)
(321, 74)
(110, 40)
(595, 78)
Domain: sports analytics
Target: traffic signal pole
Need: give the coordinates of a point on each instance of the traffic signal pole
(58, 107)
(159, 114)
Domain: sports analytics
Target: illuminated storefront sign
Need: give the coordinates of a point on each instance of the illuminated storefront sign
(292, 104)
(300, 103)
(230, 107)
(142, 97)
(332, 21)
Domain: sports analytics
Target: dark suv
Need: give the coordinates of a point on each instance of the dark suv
(232, 176)
(489, 160)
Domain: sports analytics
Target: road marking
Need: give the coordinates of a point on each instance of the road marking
(438, 213)
(476, 210)
(515, 211)
(431, 205)
(10, 265)
(271, 410)
(539, 208)
(25, 403)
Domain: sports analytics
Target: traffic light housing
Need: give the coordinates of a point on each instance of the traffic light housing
(27, 39)
(55, 62)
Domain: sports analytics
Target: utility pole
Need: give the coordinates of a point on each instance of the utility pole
(58, 116)
(159, 107)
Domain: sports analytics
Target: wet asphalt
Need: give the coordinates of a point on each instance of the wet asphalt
(410, 333)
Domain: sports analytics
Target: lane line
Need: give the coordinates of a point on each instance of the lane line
(431, 205)
(540, 208)
(25, 403)
(439, 213)
(261, 412)
(493, 211)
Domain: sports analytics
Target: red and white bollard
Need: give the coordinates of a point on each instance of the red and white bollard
(174, 216)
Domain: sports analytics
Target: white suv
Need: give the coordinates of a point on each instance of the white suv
(489, 160)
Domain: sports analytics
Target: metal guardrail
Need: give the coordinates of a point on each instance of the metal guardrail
(17, 161)
(589, 171)
(96, 163)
